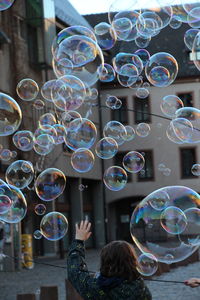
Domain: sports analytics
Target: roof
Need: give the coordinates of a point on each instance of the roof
(169, 40)
(68, 14)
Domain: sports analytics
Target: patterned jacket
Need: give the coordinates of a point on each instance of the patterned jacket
(91, 288)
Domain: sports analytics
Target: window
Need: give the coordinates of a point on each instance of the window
(142, 110)
(147, 173)
(187, 98)
(121, 115)
(34, 13)
(118, 159)
(188, 159)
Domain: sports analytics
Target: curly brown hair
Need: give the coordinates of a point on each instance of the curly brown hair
(118, 258)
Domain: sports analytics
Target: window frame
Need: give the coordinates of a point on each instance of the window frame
(178, 94)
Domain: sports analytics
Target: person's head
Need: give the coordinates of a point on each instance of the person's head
(118, 259)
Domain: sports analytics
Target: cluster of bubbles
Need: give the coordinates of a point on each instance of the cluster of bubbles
(165, 225)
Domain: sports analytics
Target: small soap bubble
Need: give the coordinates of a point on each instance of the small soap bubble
(133, 162)
(196, 169)
(27, 89)
(173, 220)
(39, 104)
(37, 234)
(115, 178)
(82, 160)
(40, 209)
(106, 148)
(147, 264)
(143, 129)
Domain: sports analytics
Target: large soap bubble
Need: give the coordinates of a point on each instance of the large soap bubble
(18, 209)
(161, 69)
(20, 173)
(115, 178)
(50, 184)
(54, 226)
(11, 115)
(150, 235)
(5, 4)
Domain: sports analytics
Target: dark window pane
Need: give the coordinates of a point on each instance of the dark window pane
(121, 115)
(147, 173)
(142, 110)
(188, 159)
(187, 99)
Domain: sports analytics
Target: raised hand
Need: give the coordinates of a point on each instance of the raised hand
(83, 231)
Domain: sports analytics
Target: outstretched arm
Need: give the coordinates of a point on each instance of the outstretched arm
(193, 282)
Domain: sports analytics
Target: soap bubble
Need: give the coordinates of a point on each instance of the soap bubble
(38, 104)
(143, 129)
(161, 69)
(11, 115)
(54, 226)
(46, 90)
(50, 184)
(81, 133)
(43, 144)
(159, 241)
(106, 148)
(5, 4)
(82, 160)
(106, 36)
(159, 200)
(189, 37)
(170, 132)
(40, 209)
(113, 102)
(23, 140)
(60, 132)
(18, 209)
(37, 234)
(62, 67)
(183, 129)
(47, 119)
(121, 60)
(190, 235)
(192, 115)
(175, 22)
(5, 155)
(142, 93)
(170, 104)
(133, 162)
(115, 130)
(195, 170)
(68, 93)
(147, 264)
(20, 174)
(142, 42)
(161, 167)
(69, 116)
(173, 220)
(167, 172)
(27, 89)
(144, 55)
(106, 73)
(115, 178)
(130, 133)
(5, 204)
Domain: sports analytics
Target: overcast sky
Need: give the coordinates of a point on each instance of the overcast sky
(85, 7)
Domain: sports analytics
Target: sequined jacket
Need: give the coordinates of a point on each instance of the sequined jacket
(88, 286)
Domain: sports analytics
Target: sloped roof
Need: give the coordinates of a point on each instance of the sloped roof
(169, 40)
(68, 14)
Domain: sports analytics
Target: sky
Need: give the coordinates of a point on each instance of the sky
(85, 7)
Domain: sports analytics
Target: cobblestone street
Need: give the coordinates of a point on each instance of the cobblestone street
(29, 281)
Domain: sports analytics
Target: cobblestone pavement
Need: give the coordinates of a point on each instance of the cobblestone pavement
(29, 281)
